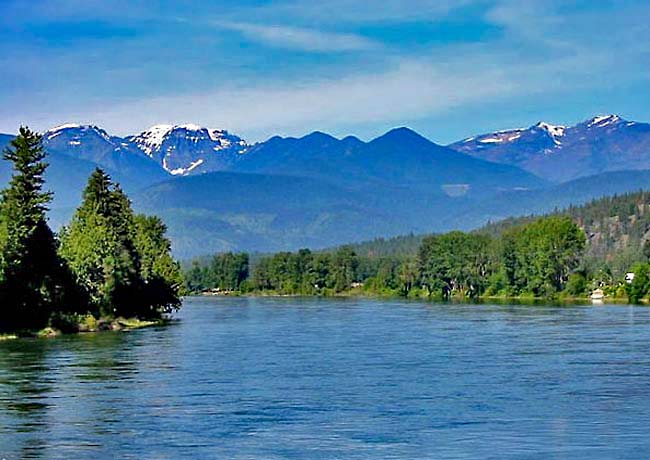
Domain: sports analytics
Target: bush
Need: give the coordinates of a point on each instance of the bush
(576, 284)
(73, 322)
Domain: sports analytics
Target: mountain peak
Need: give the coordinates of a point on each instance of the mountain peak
(603, 120)
(554, 131)
(189, 148)
(76, 130)
(64, 126)
(190, 127)
(320, 136)
(402, 135)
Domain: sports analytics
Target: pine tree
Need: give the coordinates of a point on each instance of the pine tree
(160, 272)
(98, 246)
(33, 282)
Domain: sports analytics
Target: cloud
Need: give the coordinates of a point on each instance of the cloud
(300, 38)
(409, 91)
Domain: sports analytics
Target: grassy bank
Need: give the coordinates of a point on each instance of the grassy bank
(84, 325)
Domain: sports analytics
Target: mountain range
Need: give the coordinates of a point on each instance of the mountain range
(217, 192)
(561, 153)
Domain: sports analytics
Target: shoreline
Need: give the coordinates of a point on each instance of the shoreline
(101, 325)
(478, 300)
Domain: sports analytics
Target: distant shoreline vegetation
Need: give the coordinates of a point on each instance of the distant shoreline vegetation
(534, 259)
(108, 264)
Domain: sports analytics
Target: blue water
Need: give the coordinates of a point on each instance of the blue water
(238, 378)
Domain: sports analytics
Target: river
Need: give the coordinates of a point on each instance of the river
(287, 378)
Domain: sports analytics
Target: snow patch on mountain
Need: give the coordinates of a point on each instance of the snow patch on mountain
(490, 140)
(75, 132)
(152, 138)
(554, 131)
(498, 137)
(603, 120)
(189, 148)
(58, 129)
(182, 171)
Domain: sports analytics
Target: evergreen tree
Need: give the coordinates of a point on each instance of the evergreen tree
(33, 282)
(160, 272)
(344, 268)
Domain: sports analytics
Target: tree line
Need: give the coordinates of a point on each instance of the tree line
(108, 262)
(538, 258)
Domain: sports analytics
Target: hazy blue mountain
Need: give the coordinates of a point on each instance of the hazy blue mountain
(575, 192)
(189, 149)
(231, 211)
(235, 211)
(560, 153)
(400, 159)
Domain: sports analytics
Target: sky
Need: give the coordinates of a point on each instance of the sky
(448, 69)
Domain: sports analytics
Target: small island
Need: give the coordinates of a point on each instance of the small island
(108, 269)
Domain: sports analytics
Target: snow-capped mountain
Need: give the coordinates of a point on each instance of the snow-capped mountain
(189, 149)
(561, 153)
(115, 154)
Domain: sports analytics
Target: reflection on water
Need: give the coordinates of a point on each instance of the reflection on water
(323, 379)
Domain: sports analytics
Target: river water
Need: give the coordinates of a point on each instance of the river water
(286, 378)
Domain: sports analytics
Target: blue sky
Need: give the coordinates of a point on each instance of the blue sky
(448, 69)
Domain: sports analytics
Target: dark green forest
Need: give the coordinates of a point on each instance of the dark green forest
(107, 263)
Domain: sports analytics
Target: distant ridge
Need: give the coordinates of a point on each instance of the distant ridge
(560, 153)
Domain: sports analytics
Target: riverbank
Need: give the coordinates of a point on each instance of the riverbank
(365, 294)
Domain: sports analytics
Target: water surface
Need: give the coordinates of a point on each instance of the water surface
(239, 378)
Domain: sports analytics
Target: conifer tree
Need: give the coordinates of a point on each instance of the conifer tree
(161, 274)
(33, 280)
(98, 246)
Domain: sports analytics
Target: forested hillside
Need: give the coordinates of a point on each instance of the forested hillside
(569, 252)
(617, 228)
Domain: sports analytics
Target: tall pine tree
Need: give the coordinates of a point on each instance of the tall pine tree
(33, 280)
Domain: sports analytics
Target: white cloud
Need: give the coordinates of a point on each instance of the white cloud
(411, 90)
(299, 38)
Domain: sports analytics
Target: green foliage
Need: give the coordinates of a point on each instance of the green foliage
(299, 273)
(640, 286)
(455, 263)
(225, 272)
(161, 274)
(121, 260)
(576, 284)
(535, 259)
(99, 247)
(538, 257)
(617, 227)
